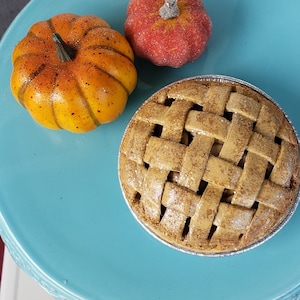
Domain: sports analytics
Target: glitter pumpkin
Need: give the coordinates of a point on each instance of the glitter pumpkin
(164, 38)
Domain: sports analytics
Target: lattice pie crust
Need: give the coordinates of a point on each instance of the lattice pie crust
(210, 166)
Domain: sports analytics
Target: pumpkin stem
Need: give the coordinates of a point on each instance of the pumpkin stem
(169, 10)
(64, 51)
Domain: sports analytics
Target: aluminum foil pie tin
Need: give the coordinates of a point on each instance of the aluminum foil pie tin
(136, 175)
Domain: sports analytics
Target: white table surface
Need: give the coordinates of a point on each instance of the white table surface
(17, 285)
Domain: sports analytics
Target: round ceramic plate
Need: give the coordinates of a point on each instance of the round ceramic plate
(63, 216)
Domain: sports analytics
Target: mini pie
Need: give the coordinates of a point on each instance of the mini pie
(210, 165)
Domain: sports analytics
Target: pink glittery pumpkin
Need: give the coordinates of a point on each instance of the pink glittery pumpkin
(167, 33)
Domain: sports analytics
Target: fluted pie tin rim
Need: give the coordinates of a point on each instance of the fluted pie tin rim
(287, 215)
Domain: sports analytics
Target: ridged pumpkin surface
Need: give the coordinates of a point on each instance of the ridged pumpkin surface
(77, 95)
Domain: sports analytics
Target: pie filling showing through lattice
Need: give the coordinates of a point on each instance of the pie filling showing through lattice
(210, 166)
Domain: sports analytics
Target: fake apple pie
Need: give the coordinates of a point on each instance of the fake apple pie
(210, 165)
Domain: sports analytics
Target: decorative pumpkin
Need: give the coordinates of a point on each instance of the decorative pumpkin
(73, 72)
(167, 34)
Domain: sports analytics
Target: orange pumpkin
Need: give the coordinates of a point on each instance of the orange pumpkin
(73, 72)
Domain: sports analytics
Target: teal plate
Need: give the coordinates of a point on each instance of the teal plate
(63, 216)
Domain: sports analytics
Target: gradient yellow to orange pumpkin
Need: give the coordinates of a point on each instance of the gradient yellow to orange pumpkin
(79, 95)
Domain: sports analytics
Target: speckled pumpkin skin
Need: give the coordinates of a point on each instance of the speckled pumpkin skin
(172, 42)
(80, 94)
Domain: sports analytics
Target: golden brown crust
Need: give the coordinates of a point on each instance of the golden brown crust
(210, 167)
